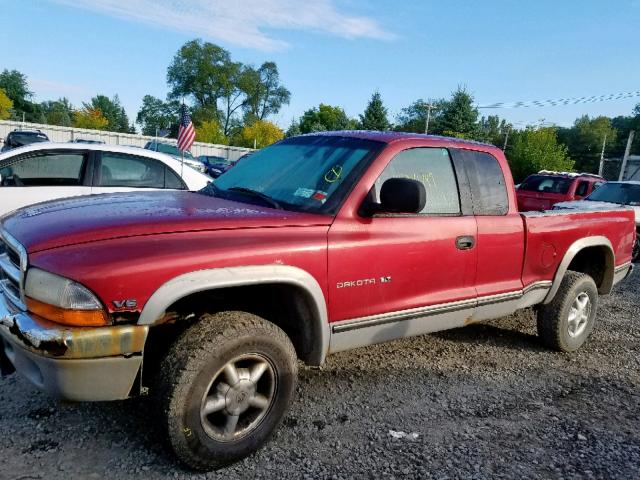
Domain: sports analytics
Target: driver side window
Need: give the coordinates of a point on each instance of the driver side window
(433, 168)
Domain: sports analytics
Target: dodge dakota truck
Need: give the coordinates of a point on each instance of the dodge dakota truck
(317, 244)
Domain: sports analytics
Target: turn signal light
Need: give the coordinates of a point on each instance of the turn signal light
(76, 318)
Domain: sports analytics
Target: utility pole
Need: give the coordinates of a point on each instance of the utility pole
(426, 123)
(627, 151)
(506, 139)
(604, 144)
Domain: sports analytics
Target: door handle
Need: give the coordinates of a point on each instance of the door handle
(465, 242)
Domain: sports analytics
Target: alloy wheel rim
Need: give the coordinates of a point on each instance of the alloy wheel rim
(238, 398)
(579, 314)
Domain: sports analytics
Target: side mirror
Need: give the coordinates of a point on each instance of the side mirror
(402, 195)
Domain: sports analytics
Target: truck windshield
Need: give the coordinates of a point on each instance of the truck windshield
(308, 173)
(622, 193)
(545, 183)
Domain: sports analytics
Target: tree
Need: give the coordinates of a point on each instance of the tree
(6, 104)
(113, 111)
(155, 114)
(584, 140)
(375, 115)
(265, 94)
(90, 118)
(294, 129)
(15, 87)
(58, 112)
(232, 93)
(538, 149)
(199, 71)
(414, 117)
(325, 118)
(259, 134)
(493, 130)
(210, 132)
(459, 117)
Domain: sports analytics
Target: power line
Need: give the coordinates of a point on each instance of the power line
(563, 101)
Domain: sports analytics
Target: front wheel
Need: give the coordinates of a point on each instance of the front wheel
(566, 322)
(224, 388)
(635, 255)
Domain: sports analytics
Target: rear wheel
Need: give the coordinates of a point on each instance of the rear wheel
(224, 387)
(566, 322)
(635, 255)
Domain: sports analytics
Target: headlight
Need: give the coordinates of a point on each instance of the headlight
(62, 300)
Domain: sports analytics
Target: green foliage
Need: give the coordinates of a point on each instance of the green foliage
(6, 104)
(584, 141)
(493, 130)
(538, 149)
(198, 71)
(325, 118)
(264, 93)
(90, 118)
(414, 117)
(259, 134)
(459, 117)
(15, 87)
(58, 112)
(210, 132)
(157, 114)
(375, 115)
(113, 111)
(294, 129)
(221, 89)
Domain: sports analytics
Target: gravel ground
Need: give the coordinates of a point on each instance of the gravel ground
(486, 401)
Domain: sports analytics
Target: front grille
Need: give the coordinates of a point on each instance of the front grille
(13, 264)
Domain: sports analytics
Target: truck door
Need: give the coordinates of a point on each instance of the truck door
(500, 238)
(388, 264)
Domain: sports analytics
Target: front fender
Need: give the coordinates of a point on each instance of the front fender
(202, 280)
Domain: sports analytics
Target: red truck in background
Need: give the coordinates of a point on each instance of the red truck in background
(314, 245)
(541, 191)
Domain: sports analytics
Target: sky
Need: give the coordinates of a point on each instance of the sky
(339, 51)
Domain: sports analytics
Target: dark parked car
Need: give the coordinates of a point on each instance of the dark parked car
(216, 166)
(20, 138)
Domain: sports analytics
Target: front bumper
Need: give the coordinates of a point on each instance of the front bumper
(73, 363)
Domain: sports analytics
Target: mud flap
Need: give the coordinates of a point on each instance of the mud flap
(6, 367)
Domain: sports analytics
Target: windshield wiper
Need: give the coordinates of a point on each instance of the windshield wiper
(255, 193)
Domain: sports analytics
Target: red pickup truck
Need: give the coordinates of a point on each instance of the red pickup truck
(544, 189)
(317, 244)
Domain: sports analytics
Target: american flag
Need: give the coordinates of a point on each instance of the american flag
(186, 132)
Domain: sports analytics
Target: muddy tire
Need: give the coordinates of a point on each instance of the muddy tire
(566, 322)
(224, 387)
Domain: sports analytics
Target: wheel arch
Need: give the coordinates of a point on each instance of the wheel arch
(297, 280)
(591, 255)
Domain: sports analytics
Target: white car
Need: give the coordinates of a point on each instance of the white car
(47, 171)
(611, 195)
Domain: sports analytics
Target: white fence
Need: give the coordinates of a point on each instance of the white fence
(67, 134)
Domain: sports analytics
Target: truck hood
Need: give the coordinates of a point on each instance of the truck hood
(593, 205)
(102, 217)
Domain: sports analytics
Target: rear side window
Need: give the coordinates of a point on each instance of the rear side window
(119, 170)
(582, 188)
(172, 180)
(488, 187)
(433, 168)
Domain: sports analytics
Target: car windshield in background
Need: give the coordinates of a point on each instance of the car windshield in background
(20, 139)
(168, 149)
(622, 193)
(310, 173)
(546, 184)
